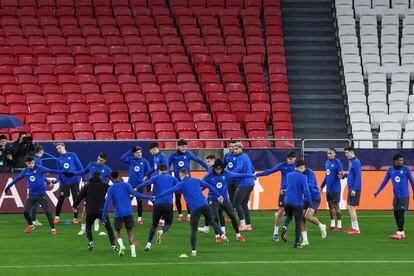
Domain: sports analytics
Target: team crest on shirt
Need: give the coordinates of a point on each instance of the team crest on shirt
(328, 172)
(137, 168)
(103, 171)
(333, 165)
(66, 165)
(32, 178)
(181, 163)
(219, 185)
(230, 165)
(185, 157)
(401, 172)
(397, 179)
(69, 157)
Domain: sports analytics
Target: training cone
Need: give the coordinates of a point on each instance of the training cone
(68, 223)
(102, 234)
(183, 256)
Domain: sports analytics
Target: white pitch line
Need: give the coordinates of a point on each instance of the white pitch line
(211, 263)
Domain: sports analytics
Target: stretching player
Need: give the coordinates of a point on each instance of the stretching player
(296, 189)
(220, 178)
(230, 164)
(333, 174)
(181, 159)
(119, 194)
(68, 162)
(310, 208)
(105, 173)
(399, 175)
(35, 181)
(139, 171)
(163, 206)
(94, 193)
(284, 168)
(39, 151)
(197, 203)
(354, 189)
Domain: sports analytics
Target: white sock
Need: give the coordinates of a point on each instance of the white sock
(355, 225)
(56, 217)
(223, 229)
(332, 223)
(83, 227)
(402, 233)
(133, 249)
(249, 225)
(339, 223)
(276, 231)
(139, 218)
(148, 245)
(305, 236)
(238, 235)
(120, 242)
(180, 215)
(320, 226)
(162, 232)
(188, 215)
(217, 236)
(242, 222)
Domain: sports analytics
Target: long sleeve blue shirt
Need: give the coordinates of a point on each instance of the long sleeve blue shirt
(69, 162)
(332, 180)
(159, 158)
(244, 165)
(162, 182)
(181, 160)
(230, 161)
(313, 185)
(354, 175)
(221, 183)
(297, 189)
(399, 177)
(118, 195)
(191, 189)
(94, 167)
(35, 179)
(138, 168)
(284, 168)
(38, 162)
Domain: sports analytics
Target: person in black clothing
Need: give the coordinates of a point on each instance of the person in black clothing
(22, 147)
(5, 156)
(94, 193)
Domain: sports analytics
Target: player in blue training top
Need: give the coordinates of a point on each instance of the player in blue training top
(332, 181)
(68, 162)
(297, 191)
(118, 194)
(284, 168)
(230, 164)
(182, 159)
(399, 175)
(197, 203)
(105, 173)
(163, 206)
(35, 181)
(354, 188)
(310, 208)
(139, 172)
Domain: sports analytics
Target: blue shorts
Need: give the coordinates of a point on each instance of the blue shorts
(354, 200)
(314, 205)
(401, 203)
(333, 196)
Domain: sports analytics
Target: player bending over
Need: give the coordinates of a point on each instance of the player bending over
(197, 203)
(297, 188)
(399, 175)
(119, 194)
(35, 181)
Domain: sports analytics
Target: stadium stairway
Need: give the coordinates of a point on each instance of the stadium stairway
(317, 103)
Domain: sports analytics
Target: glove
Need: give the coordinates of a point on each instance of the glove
(6, 191)
(68, 174)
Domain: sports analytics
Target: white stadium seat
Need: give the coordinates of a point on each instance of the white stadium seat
(369, 39)
(352, 68)
(354, 77)
(389, 135)
(358, 108)
(360, 127)
(389, 40)
(368, 31)
(380, 5)
(363, 135)
(358, 118)
(349, 49)
(409, 126)
(368, 20)
(408, 135)
(347, 31)
(355, 87)
(400, 77)
(398, 97)
(345, 11)
(377, 87)
(348, 40)
(389, 20)
(399, 87)
(356, 98)
(377, 98)
(409, 117)
(346, 21)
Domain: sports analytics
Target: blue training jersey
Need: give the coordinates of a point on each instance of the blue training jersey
(354, 175)
(138, 168)
(284, 168)
(230, 161)
(297, 189)
(313, 185)
(69, 162)
(399, 177)
(35, 179)
(244, 165)
(94, 167)
(181, 160)
(118, 195)
(191, 189)
(221, 183)
(38, 162)
(161, 182)
(159, 158)
(332, 180)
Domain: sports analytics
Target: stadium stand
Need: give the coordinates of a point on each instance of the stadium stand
(104, 69)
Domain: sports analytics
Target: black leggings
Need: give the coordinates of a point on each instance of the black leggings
(34, 211)
(297, 212)
(31, 202)
(65, 190)
(232, 190)
(241, 202)
(399, 219)
(195, 218)
(178, 195)
(226, 206)
(162, 210)
(90, 219)
(140, 205)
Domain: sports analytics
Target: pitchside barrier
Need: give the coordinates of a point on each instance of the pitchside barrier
(265, 194)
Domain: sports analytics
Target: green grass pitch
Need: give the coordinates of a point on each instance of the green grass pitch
(372, 253)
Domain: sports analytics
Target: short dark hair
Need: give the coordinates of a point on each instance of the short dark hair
(182, 142)
(136, 148)
(291, 154)
(38, 149)
(300, 162)
(349, 148)
(162, 167)
(211, 157)
(28, 158)
(218, 164)
(59, 144)
(153, 145)
(332, 149)
(397, 156)
(3, 137)
(114, 175)
(184, 171)
(103, 155)
(97, 175)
